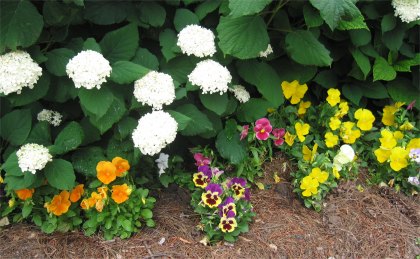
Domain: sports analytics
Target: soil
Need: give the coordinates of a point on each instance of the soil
(373, 223)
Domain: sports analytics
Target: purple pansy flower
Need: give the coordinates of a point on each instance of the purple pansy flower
(238, 186)
(201, 160)
(278, 136)
(216, 171)
(212, 195)
(205, 169)
(228, 208)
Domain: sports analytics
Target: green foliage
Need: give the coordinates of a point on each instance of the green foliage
(60, 174)
(15, 126)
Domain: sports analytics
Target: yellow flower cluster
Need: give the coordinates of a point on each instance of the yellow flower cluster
(309, 184)
(293, 91)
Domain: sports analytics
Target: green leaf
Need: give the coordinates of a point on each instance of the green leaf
(375, 90)
(96, 101)
(353, 93)
(69, 138)
(40, 134)
(115, 112)
(181, 119)
(382, 70)
(168, 40)
(125, 127)
(58, 14)
(120, 44)
(312, 17)
(327, 79)
(152, 13)
(60, 174)
(57, 61)
(106, 12)
(405, 65)
(358, 22)
(62, 91)
(91, 44)
(243, 37)
(126, 224)
(215, 102)
(184, 17)
(360, 37)
(291, 70)
(265, 78)
(146, 59)
(27, 95)
(85, 160)
(180, 67)
(231, 148)
(388, 22)
(402, 90)
(126, 72)
(253, 110)
(206, 7)
(20, 24)
(27, 209)
(20, 182)
(362, 61)
(334, 11)
(305, 49)
(11, 166)
(394, 39)
(15, 126)
(146, 213)
(150, 223)
(199, 123)
(241, 8)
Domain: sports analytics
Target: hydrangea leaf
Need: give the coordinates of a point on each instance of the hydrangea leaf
(146, 58)
(96, 101)
(206, 7)
(382, 70)
(57, 60)
(181, 119)
(91, 44)
(68, 139)
(215, 102)
(184, 17)
(115, 112)
(388, 22)
(243, 37)
(40, 134)
(305, 49)
(241, 8)
(168, 40)
(360, 37)
(106, 12)
(126, 72)
(402, 90)
(152, 13)
(393, 39)
(312, 17)
(352, 93)
(199, 124)
(20, 24)
(85, 160)
(362, 61)
(120, 44)
(253, 110)
(358, 22)
(334, 11)
(327, 79)
(28, 96)
(15, 126)
(60, 174)
(231, 148)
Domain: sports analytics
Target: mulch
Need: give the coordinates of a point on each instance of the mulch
(373, 223)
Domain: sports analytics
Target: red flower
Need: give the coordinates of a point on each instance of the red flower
(262, 129)
(278, 136)
(244, 132)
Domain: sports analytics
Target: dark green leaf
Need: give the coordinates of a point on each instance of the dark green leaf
(199, 124)
(40, 134)
(115, 112)
(394, 39)
(388, 22)
(152, 13)
(120, 44)
(334, 11)
(253, 110)
(231, 148)
(27, 209)
(57, 61)
(168, 40)
(85, 160)
(181, 119)
(241, 8)
(69, 138)
(327, 79)
(362, 61)
(358, 22)
(184, 17)
(402, 90)
(106, 12)
(146, 58)
(60, 174)
(126, 72)
(215, 102)
(360, 37)
(15, 126)
(312, 17)
(353, 93)
(206, 7)
(91, 44)
(382, 70)
(96, 101)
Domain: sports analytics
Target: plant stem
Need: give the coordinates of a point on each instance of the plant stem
(278, 7)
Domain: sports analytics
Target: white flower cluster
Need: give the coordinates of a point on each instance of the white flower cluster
(18, 70)
(52, 117)
(155, 89)
(196, 40)
(240, 93)
(162, 163)
(343, 157)
(154, 131)
(211, 77)
(407, 10)
(33, 157)
(88, 69)
(265, 53)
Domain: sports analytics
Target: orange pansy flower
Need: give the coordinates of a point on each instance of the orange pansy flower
(77, 193)
(59, 204)
(87, 203)
(120, 193)
(25, 194)
(121, 164)
(103, 191)
(106, 172)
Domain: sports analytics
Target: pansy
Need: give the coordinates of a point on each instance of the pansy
(388, 116)
(25, 194)
(330, 139)
(120, 193)
(238, 186)
(302, 130)
(319, 175)
(308, 154)
(398, 158)
(364, 118)
(289, 138)
(228, 208)
(293, 91)
(343, 157)
(336, 173)
(309, 185)
(244, 132)
(334, 123)
(414, 180)
(87, 203)
(106, 172)
(216, 172)
(415, 155)
(103, 191)
(406, 126)
(333, 96)
(303, 106)
(387, 141)
(278, 136)
(76, 193)
(247, 194)
(200, 159)
(227, 224)
(348, 134)
(212, 195)
(201, 179)
(263, 129)
(414, 143)
(343, 109)
(121, 164)
(60, 204)
(382, 154)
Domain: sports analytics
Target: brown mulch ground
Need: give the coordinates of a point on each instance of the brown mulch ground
(375, 223)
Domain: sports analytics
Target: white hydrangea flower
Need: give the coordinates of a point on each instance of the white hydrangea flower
(154, 131)
(211, 77)
(407, 10)
(18, 70)
(240, 93)
(33, 157)
(265, 53)
(52, 117)
(162, 163)
(155, 89)
(196, 40)
(88, 69)
(343, 157)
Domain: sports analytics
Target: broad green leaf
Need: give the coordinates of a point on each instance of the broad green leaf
(92, 134)
(15, 126)
(125, 127)
(243, 37)
(27, 209)
(305, 49)
(76, 2)
(115, 112)
(362, 61)
(206, 7)
(57, 61)
(62, 91)
(405, 65)
(360, 37)
(123, 148)
(358, 22)
(146, 58)
(180, 67)
(60, 174)
(181, 119)
(96, 101)
(91, 44)
(394, 39)
(352, 93)
(120, 44)
(215, 102)
(152, 13)
(184, 17)
(231, 148)
(85, 160)
(334, 11)
(382, 70)
(58, 14)
(241, 8)
(312, 17)
(40, 134)
(290, 70)
(402, 90)
(168, 40)
(327, 79)
(126, 72)
(388, 22)
(20, 182)
(265, 78)
(69, 138)
(11, 166)
(20, 24)
(373, 90)
(216, 123)
(253, 110)
(146, 213)
(199, 123)
(106, 12)
(27, 95)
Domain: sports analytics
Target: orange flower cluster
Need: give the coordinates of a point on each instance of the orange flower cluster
(107, 171)
(60, 204)
(96, 199)
(25, 194)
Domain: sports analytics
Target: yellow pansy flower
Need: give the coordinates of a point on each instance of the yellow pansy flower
(308, 154)
(387, 141)
(398, 158)
(388, 117)
(406, 126)
(364, 118)
(293, 91)
(302, 130)
(303, 106)
(348, 135)
(334, 123)
(309, 185)
(289, 138)
(333, 96)
(336, 173)
(414, 143)
(398, 135)
(344, 109)
(330, 139)
(382, 154)
(320, 176)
